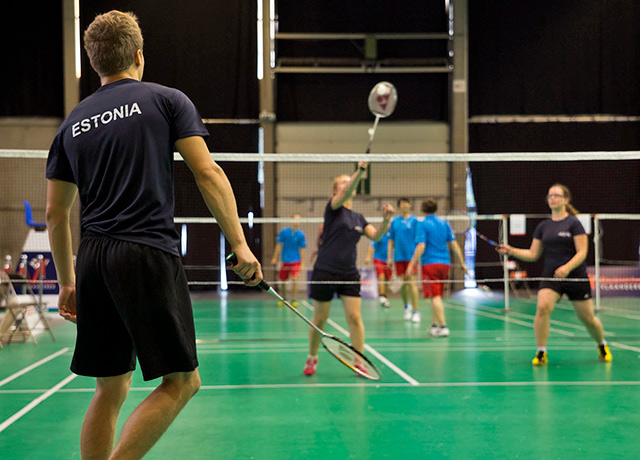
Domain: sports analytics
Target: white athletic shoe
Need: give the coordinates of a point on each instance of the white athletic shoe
(444, 331)
(384, 302)
(408, 309)
(434, 330)
(415, 316)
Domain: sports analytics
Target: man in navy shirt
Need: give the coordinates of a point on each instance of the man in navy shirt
(116, 151)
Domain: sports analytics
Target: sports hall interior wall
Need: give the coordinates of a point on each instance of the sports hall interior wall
(562, 58)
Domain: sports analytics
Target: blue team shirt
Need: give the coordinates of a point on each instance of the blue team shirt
(435, 233)
(340, 235)
(117, 147)
(402, 232)
(380, 248)
(292, 242)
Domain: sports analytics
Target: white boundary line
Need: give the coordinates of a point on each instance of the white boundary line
(538, 383)
(501, 318)
(26, 409)
(33, 366)
(388, 363)
(551, 321)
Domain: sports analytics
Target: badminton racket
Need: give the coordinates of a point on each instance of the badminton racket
(382, 102)
(487, 240)
(340, 349)
(459, 221)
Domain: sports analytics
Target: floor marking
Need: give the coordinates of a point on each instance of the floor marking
(502, 318)
(276, 386)
(388, 363)
(26, 409)
(623, 346)
(33, 366)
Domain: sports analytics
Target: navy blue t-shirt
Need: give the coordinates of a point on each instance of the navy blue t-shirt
(340, 235)
(559, 247)
(117, 146)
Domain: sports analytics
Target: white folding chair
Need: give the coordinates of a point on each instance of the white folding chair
(16, 307)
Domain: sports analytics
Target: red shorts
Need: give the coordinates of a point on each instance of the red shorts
(382, 268)
(434, 272)
(289, 269)
(401, 268)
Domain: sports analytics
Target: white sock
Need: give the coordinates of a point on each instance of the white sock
(542, 349)
(312, 357)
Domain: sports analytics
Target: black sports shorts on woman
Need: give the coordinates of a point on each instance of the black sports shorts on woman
(132, 301)
(348, 285)
(575, 290)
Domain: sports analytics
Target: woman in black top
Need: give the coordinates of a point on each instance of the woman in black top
(565, 244)
(336, 262)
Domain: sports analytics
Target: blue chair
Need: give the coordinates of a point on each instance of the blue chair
(28, 218)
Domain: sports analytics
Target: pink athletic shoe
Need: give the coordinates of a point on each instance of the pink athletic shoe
(310, 366)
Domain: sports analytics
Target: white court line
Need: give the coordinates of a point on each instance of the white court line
(26, 409)
(502, 318)
(623, 346)
(33, 366)
(615, 344)
(528, 316)
(277, 386)
(603, 311)
(388, 363)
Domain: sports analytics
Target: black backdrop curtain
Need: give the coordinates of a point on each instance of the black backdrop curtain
(342, 97)
(31, 60)
(208, 51)
(205, 49)
(550, 57)
(556, 58)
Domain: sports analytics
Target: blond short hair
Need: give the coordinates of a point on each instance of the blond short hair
(112, 41)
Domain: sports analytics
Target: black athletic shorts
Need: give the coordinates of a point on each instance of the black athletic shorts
(575, 290)
(348, 285)
(132, 301)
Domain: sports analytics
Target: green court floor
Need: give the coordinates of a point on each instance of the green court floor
(473, 395)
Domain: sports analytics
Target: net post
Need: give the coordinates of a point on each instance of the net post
(505, 268)
(596, 249)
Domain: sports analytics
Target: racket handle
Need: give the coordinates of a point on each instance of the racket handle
(232, 259)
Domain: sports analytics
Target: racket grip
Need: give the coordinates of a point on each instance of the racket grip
(232, 259)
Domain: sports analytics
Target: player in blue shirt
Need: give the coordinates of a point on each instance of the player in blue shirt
(378, 253)
(565, 244)
(434, 243)
(401, 248)
(131, 298)
(335, 270)
(290, 244)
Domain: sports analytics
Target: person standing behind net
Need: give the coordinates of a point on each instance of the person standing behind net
(291, 244)
(378, 253)
(335, 270)
(116, 150)
(564, 243)
(435, 241)
(401, 248)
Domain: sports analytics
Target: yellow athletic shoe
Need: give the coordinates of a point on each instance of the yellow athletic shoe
(280, 303)
(294, 304)
(605, 354)
(540, 359)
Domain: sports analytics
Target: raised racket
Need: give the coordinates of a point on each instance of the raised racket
(341, 350)
(382, 102)
(459, 221)
(487, 240)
